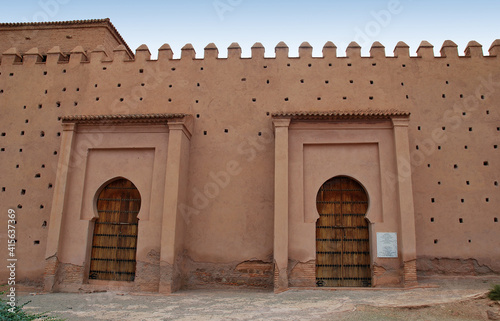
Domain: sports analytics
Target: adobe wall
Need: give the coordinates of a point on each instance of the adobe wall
(454, 135)
(67, 35)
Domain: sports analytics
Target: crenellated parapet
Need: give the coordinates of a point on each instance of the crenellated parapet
(78, 55)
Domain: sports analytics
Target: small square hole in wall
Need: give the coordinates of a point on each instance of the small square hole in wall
(495, 183)
(439, 147)
(37, 242)
(226, 130)
(487, 112)
(27, 121)
(495, 146)
(460, 220)
(482, 96)
(447, 82)
(495, 220)
(45, 73)
(371, 82)
(429, 165)
(470, 241)
(173, 69)
(485, 163)
(3, 189)
(402, 84)
(268, 81)
(64, 89)
(435, 241)
(470, 129)
(433, 200)
(349, 65)
(309, 65)
(487, 200)
(42, 207)
(267, 113)
(49, 186)
(11, 74)
(443, 128)
(141, 71)
(462, 200)
(464, 114)
(461, 96)
(371, 97)
(17, 165)
(419, 128)
(467, 182)
(329, 65)
(351, 81)
(455, 166)
(374, 64)
(201, 68)
(3, 134)
(197, 115)
(77, 89)
(466, 147)
(403, 65)
(22, 133)
(432, 219)
(439, 183)
(265, 67)
(205, 133)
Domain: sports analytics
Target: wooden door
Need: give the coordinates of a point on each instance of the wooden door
(115, 233)
(342, 235)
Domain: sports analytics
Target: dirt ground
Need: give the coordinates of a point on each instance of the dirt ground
(435, 299)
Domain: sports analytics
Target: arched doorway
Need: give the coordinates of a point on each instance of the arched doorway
(342, 235)
(114, 242)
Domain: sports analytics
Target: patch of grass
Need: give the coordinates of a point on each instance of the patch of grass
(16, 313)
(495, 293)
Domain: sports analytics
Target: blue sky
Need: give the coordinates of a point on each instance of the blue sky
(248, 21)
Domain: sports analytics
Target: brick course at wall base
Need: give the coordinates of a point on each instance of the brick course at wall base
(228, 156)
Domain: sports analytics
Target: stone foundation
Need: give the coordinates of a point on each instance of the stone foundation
(211, 275)
(302, 274)
(445, 266)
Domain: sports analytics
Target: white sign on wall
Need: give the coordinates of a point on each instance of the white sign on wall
(387, 245)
